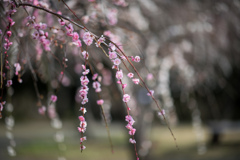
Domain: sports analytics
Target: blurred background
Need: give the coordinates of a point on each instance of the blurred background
(190, 57)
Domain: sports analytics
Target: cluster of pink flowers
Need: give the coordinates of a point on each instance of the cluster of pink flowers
(129, 126)
(83, 95)
(112, 16)
(18, 68)
(83, 124)
(10, 12)
(39, 33)
(88, 38)
(97, 86)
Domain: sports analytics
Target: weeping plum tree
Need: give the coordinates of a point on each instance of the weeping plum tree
(46, 37)
(190, 48)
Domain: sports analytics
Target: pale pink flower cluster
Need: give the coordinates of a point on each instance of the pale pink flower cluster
(39, 33)
(84, 89)
(135, 80)
(112, 16)
(7, 43)
(83, 124)
(129, 126)
(97, 86)
(82, 128)
(18, 68)
(88, 38)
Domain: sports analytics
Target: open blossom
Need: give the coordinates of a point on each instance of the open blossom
(117, 61)
(83, 124)
(84, 80)
(129, 119)
(80, 129)
(137, 59)
(75, 36)
(119, 74)
(126, 98)
(83, 139)
(130, 75)
(132, 131)
(96, 85)
(129, 126)
(81, 118)
(53, 98)
(83, 110)
(136, 80)
(85, 100)
(112, 55)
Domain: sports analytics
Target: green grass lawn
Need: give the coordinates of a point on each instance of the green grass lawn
(35, 142)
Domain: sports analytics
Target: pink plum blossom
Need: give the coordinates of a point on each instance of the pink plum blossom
(53, 98)
(126, 98)
(136, 80)
(83, 110)
(137, 59)
(112, 55)
(130, 75)
(81, 118)
(119, 74)
(117, 61)
(87, 38)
